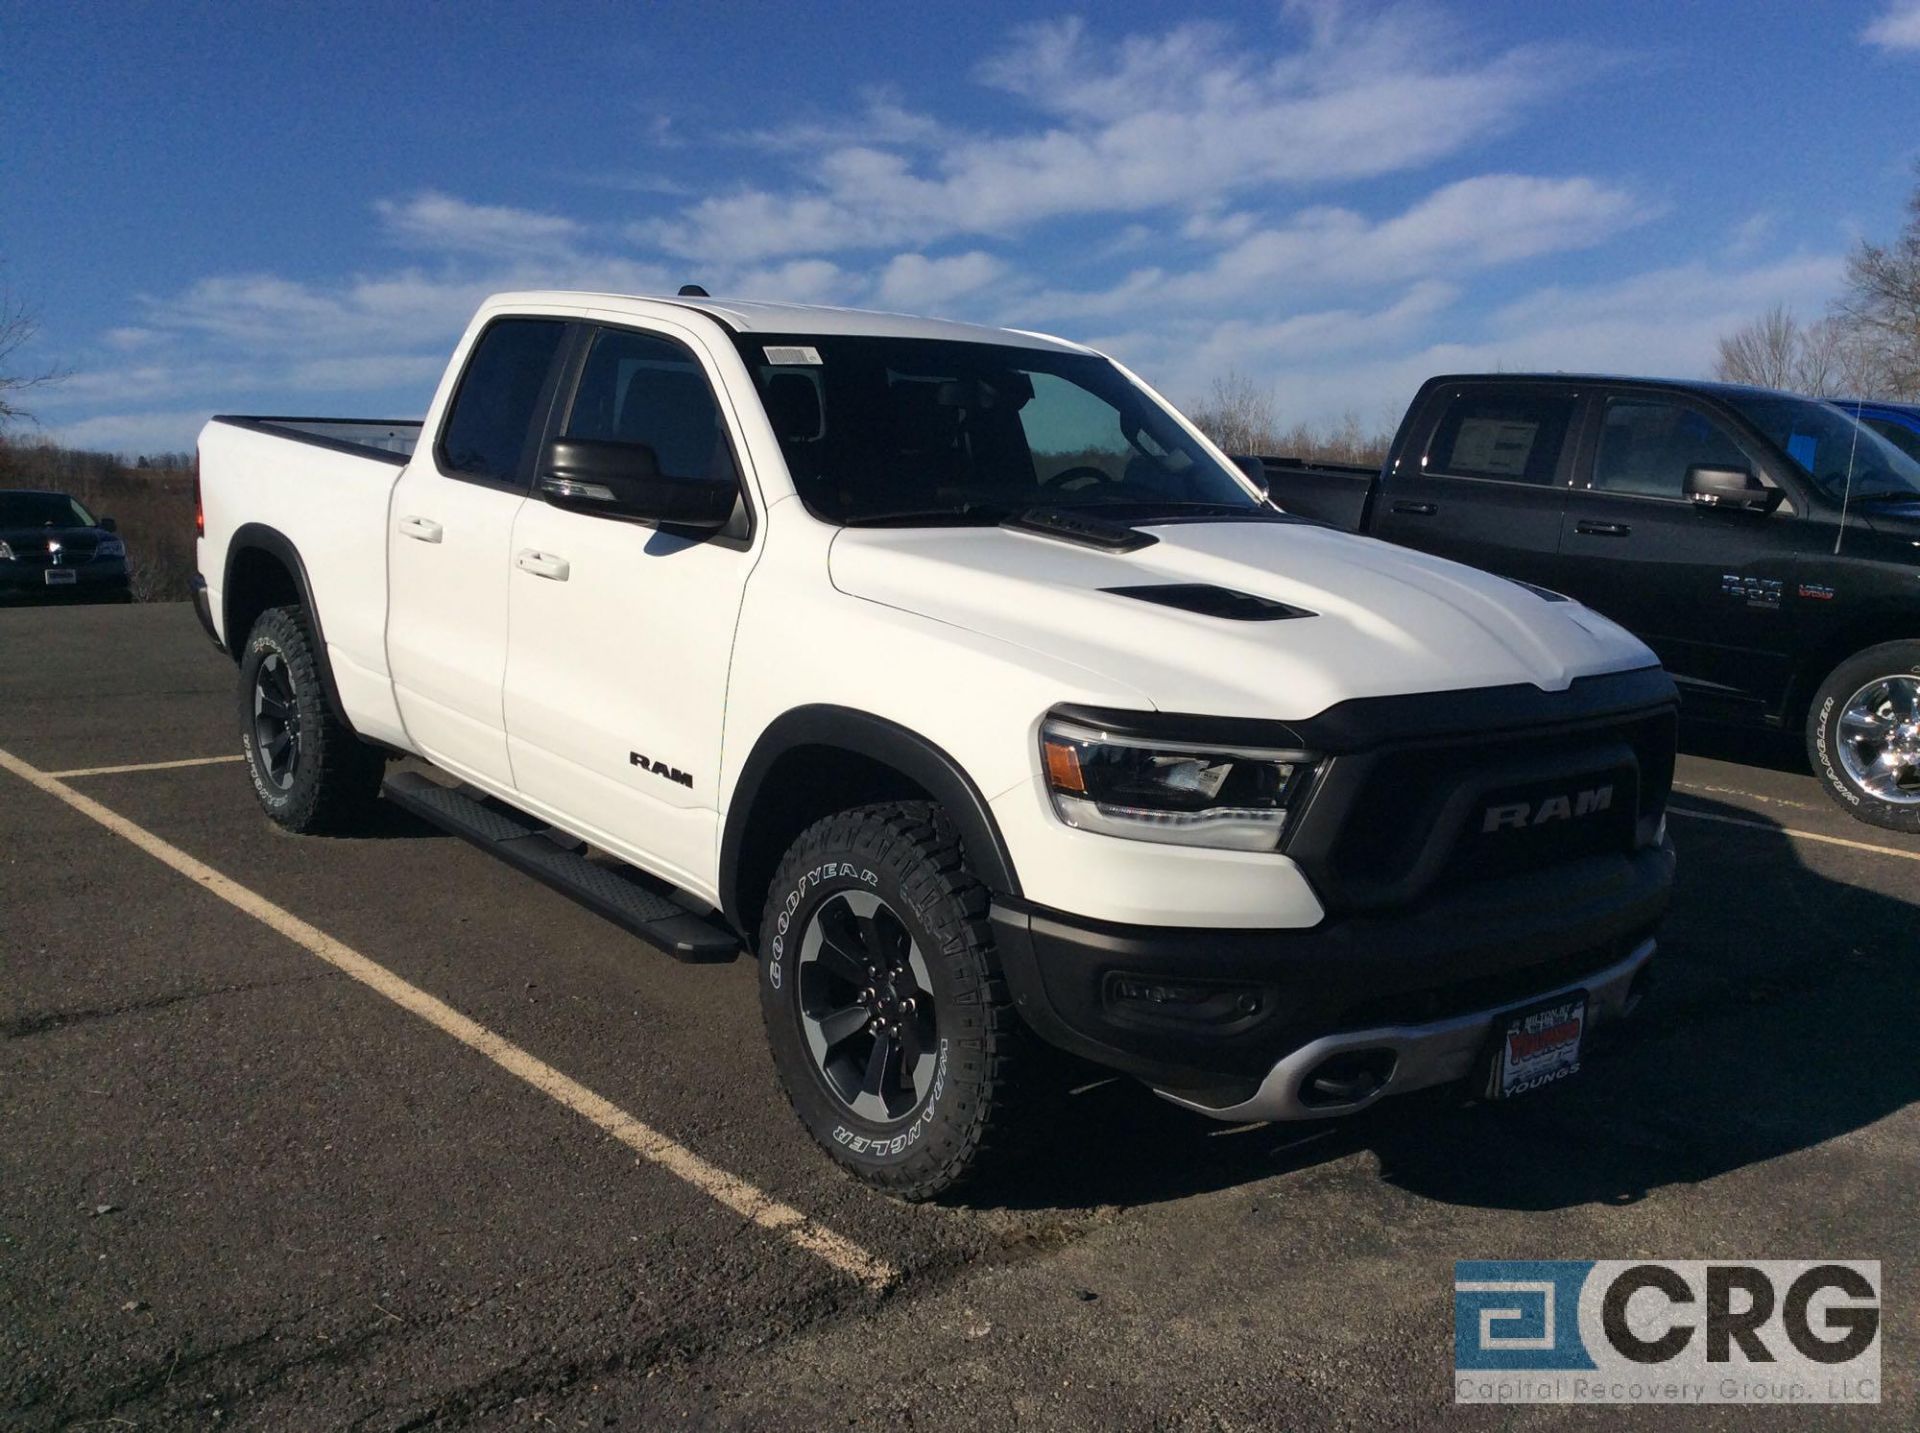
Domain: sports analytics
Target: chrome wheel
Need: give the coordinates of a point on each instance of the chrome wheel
(866, 1007)
(276, 723)
(1879, 739)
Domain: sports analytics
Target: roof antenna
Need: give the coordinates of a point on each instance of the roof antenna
(693, 291)
(1846, 494)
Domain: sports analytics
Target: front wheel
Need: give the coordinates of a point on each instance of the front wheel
(310, 772)
(891, 1029)
(1863, 736)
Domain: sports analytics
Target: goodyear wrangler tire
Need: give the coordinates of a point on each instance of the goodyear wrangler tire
(1863, 735)
(309, 771)
(892, 1031)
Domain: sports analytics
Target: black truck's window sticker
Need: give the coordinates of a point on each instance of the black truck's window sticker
(1495, 445)
(1510, 437)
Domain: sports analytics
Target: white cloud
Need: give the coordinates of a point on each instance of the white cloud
(432, 220)
(1469, 225)
(882, 120)
(1186, 117)
(1664, 321)
(913, 281)
(153, 431)
(1897, 28)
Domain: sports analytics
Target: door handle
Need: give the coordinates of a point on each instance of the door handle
(542, 564)
(1417, 509)
(421, 529)
(1602, 529)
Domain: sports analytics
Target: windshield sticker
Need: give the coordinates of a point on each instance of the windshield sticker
(1494, 445)
(791, 354)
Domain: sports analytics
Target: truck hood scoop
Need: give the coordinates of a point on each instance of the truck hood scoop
(1211, 601)
(1080, 528)
(1190, 623)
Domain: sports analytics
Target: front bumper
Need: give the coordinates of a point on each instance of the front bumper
(1415, 1057)
(20, 579)
(1210, 1016)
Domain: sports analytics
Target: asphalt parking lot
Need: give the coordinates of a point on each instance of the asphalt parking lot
(245, 1179)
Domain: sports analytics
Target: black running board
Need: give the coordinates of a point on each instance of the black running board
(628, 899)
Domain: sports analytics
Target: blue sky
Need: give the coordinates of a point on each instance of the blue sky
(255, 208)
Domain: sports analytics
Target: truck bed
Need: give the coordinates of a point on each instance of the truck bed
(1334, 493)
(391, 439)
(320, 486)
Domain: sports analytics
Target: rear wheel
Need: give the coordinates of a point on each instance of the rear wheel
(891, 1028)
(309, 771)
(1863, 736)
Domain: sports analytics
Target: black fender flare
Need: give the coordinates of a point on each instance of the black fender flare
(883, 741)
(258, 537)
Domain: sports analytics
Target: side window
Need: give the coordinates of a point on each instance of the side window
(1901, 436)
(1511, 437)
(649, 391)
(492, 416)
(1647, 445)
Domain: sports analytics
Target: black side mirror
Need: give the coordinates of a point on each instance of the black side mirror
(624, 480)
(107, 524)
(1710, 486)
(1255, 470)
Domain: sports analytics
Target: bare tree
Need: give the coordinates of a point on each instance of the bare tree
(1882, 303)
(1237, 414)
(1826, 359)
(1765, 352)
(17, 328)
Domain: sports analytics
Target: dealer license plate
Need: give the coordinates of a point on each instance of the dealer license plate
(1538, 1046)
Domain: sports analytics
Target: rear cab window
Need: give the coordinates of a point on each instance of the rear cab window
(491, 424)
(1500, 435)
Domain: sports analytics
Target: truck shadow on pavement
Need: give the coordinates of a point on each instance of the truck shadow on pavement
(1783, 1018)
(1746, 746)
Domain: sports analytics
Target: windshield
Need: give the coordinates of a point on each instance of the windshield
(1824, 443)
(910, 431)
(42, 510)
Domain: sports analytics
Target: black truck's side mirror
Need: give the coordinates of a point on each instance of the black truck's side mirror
(1255, 470)
(107, 524)
(624, 480)
(1711, 486)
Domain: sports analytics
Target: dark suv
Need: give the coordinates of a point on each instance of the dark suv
(51, 546)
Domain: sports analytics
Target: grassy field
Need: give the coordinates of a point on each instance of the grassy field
(151, 500)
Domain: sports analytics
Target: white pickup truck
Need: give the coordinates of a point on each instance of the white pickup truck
(961, 680)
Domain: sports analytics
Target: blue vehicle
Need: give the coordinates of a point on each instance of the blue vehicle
(1898, 423)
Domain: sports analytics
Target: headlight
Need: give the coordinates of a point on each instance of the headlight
(110, 547)
(6, 553)
(1152, 790)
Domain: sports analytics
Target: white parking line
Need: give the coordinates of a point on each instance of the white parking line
(1797, 835)
(724, 1188)
(145, 766)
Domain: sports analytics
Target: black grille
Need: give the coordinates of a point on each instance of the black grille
(1386, 825)
(33, 552)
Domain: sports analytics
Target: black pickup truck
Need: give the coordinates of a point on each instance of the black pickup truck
(1766, 546)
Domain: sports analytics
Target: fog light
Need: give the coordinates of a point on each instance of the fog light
(1160, 1002)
